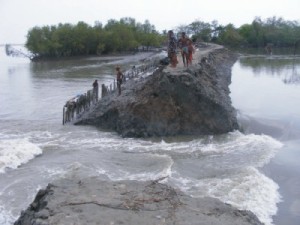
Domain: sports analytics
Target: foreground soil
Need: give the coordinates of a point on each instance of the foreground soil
(94, 201)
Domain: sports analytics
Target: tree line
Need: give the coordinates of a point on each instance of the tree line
(128, 35)
(275, 31)
(82, 39)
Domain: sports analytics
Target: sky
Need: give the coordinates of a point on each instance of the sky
(17, 17)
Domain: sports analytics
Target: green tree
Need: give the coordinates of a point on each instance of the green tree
(200, 30)
(120, 36)
(147, 36)
(230, 36)
(38, 40)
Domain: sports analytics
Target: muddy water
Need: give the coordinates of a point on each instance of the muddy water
(36, 149)
(266, 90)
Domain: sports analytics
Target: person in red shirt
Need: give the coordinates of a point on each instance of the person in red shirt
(191, 51)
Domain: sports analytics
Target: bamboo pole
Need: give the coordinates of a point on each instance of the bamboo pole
(63, 122)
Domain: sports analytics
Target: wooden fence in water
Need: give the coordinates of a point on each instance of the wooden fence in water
(79, 104)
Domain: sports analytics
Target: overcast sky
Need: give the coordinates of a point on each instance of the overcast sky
(18, 16)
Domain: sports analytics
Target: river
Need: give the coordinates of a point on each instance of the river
(246, 169)
(266, 90)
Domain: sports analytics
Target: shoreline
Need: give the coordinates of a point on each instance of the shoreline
(109, 56)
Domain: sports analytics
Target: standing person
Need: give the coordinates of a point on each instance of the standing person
(172, 46)
(183, 45)
(191, 50)
(269, 48)
(95, 90)
(119, 79)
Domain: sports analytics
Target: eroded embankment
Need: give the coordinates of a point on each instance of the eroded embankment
(180, 101)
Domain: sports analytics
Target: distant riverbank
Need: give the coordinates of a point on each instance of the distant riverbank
(262, 51)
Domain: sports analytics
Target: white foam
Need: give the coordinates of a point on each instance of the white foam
(14, 152)
(53, 172)
(221, 166)
(6, 217)
(163, 165)
(249, 150)
(247, 189)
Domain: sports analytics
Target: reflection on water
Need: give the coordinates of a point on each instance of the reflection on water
(285, 67)
(267, 105)
(265, 79)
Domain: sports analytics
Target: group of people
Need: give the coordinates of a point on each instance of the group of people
(184, 44)
(120, 78)
(186, 49)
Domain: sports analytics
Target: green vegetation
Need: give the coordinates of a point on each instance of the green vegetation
(127, 35)
(274, 31)
(83, 39)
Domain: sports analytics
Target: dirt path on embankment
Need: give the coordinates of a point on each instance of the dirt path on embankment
(200, 53)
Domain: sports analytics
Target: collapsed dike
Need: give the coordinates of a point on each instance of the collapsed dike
(171, 101)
